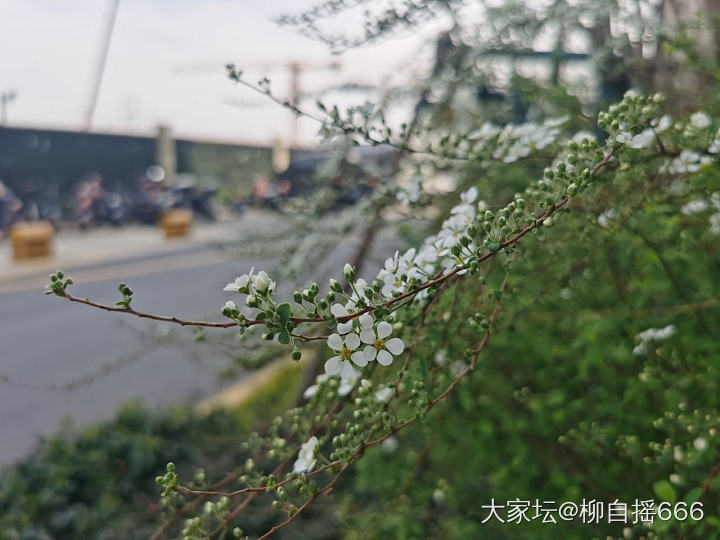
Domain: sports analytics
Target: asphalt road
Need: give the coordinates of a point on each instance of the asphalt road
(47, 342)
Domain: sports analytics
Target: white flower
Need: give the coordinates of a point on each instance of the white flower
(395, 268)
(263, 283)
(643, 139)
(230, 305)
(469, 196)
(700, 120)
(695, 207)
(344, 346)
(715, 223)
(348, 381)
(700, 444)
(357, 300)
(664, 123)
(240, 284)
(306, 457)
(688, 161)
(366, 322)
(310, 391)
(714, 147)
(338, 311)
(390, 444)
(381, 349)
(384, 394)
(409, 195)
(606, 217)
(652, 334)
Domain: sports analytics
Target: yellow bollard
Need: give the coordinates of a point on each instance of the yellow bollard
(31, 240)
(177, 222)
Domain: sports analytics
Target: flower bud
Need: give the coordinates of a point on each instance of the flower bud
(349, 272)
(335, 285)
(262, 282)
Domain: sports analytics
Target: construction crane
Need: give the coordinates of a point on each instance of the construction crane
(295, 69)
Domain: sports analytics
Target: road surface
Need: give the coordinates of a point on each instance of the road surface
(47, 342)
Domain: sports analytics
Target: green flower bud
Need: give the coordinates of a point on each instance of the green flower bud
(335, 286)
(492, 246)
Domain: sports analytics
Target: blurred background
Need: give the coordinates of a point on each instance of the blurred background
(128, 154)
(114, 115)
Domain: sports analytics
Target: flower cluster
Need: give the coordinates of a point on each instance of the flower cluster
(652, 334)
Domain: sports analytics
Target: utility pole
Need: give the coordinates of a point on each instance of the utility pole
(6, 97)
(100, 69)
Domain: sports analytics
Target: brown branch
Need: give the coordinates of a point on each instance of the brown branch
(358, 454)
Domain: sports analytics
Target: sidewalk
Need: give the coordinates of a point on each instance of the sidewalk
(104, 246)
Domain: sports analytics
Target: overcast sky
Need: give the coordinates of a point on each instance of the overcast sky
(165, 65)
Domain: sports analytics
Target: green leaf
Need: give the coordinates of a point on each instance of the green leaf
(693, 495)
(284, 337)
(665, 490)
(332, 323)
(284, 311)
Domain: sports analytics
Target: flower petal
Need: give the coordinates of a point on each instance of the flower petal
(352, 341)
(310, 391)
(384, 394)
(335, 342)
(359, 358)
(344, 327)
(384, 329)
(366, 321)
(367, 336)
(332, 366)
(384, 358)
(395, 345)
(338, 310)
(370, 353)
(346, 370)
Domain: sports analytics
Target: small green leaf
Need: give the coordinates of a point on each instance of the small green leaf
(665, 490)
(284, 311)
(332, 323)
(284, 337)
